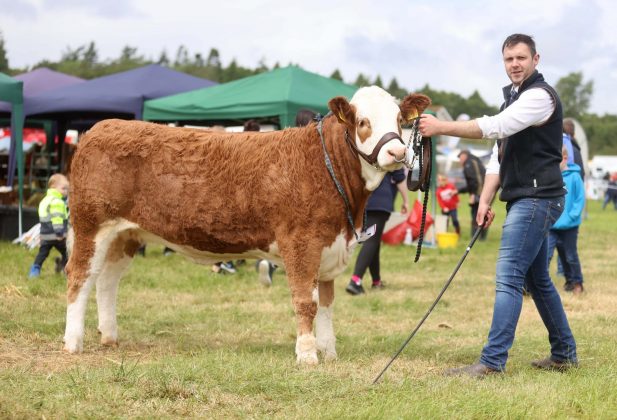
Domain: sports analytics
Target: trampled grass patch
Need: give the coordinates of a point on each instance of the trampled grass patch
(197, 344)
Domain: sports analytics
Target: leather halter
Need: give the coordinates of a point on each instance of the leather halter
(372, 158)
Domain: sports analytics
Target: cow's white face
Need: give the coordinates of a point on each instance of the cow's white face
(372, 113)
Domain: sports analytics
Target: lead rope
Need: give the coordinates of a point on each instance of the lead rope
(425, 188)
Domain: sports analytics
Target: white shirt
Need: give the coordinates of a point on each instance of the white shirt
(533, 108)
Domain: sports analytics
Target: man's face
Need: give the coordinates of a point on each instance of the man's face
(519, 63)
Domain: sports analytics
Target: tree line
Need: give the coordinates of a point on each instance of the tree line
(84, 61)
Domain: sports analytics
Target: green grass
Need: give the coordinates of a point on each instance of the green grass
(197, 344)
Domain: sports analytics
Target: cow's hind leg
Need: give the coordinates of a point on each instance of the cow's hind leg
(326, 341)
(81, 275)
(117, 260)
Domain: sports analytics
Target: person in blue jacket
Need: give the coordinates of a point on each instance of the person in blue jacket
(378, 209)
(564, 233)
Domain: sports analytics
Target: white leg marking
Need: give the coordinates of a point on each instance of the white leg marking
(75, 317)
(106, 297)
(264, 273)
(326, 341)
(306, 350)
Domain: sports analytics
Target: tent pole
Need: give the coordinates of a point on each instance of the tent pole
(17, 126)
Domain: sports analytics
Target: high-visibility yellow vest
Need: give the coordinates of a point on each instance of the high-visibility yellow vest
(53, 215)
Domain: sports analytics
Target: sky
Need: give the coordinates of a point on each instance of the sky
(451, 45)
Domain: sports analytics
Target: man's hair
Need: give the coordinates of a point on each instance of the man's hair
(514, 39)
(568, 127)
(56, 179)
(251, 125)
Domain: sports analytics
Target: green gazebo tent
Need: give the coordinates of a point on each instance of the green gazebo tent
(279, 93)
(11, 91)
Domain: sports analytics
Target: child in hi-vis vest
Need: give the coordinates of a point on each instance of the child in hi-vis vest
(54, 217)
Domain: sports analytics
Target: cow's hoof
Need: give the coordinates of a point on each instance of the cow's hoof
(306, 350)
(328, 354)
(73, 346)
(307, 359)
(326, 346)
(109, 342)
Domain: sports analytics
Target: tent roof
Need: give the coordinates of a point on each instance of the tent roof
(277, 93)
(117, 95)
(11, 90)
(41, 80)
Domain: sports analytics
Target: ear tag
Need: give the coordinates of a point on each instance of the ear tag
(412, 116)
(341, 117)
(367, 233)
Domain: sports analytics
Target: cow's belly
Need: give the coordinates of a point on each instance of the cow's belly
(113, 228)
(334, 259)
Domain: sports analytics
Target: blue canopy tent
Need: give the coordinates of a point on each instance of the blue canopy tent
(120, 95)
(35, 82)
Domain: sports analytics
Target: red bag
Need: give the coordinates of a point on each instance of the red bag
(396, 235)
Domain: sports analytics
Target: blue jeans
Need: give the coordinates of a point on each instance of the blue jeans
(523, 259)
(565, 240)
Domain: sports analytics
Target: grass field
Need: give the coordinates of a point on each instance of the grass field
(197, 344)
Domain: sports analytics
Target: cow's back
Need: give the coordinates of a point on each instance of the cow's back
(189, 186)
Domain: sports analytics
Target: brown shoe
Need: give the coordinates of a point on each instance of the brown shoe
(577, 289)
(550, 364)
(477, 370)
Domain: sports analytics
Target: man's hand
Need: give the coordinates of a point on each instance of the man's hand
(485, 210)
(429, 125)
(404, 208)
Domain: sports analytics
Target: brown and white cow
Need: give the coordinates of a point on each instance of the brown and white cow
(222, 196)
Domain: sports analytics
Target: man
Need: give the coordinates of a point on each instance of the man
(474, 172)
(525, 163)
(577, 157)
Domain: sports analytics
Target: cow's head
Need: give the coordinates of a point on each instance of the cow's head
(371, 114)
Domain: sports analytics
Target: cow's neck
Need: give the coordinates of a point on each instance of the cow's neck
(347, 168)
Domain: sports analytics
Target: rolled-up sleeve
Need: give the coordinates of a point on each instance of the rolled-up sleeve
(534, 107)
(492, 168)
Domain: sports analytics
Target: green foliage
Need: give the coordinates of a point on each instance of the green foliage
(601, 133)
(378, 82)
(395, 90)
(4, 61)
(574, 94)
(456, 104)
(362, 81)
(336, 74)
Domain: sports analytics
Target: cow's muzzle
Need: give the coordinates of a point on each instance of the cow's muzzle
(372, 158)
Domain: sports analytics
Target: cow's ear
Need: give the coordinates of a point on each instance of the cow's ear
(343, 110)
(413, 105)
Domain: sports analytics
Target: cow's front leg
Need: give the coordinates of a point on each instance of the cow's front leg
(326, 341)
(305, 307)
(302, 266)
